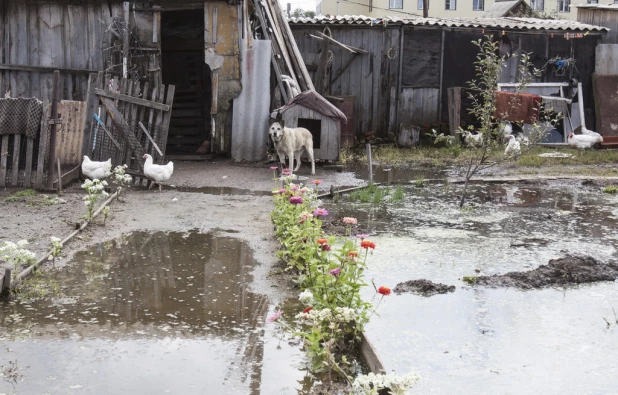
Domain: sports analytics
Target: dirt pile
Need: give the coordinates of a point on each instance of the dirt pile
(570, 270)
(423, 288)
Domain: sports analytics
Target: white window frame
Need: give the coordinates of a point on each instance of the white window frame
(419, 4)
(450, 5)
(478, 5)
(393, 4)
(564, 5)
(537, 5)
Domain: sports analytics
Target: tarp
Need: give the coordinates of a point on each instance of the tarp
(314, 101)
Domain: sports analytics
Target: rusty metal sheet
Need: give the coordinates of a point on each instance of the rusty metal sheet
(251, 107)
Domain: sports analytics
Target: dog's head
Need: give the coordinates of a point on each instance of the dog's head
(276, 130)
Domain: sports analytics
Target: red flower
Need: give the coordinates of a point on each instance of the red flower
(384, 290)
(353, 253)
(322, 241)
(325, 247)
(368, 244)
(308, 309)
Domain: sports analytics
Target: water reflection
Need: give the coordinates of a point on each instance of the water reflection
(177, 302)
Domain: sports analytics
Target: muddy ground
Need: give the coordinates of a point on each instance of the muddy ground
(569, 270)
(423, 288)
(223, 196)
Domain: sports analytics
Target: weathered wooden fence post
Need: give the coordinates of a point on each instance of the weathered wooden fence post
(369, 162)
(5, 286)
(52, 134)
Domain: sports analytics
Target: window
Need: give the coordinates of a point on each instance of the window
(419, 4)
(564, 5)
(451, 5)
(537, 5)
(478, 5)
(593, 1)
(398, 4)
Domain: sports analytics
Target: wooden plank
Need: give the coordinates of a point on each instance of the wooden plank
(280, 41)
(122, 124)
(42, 145)
(215, 22)
(4, 154)
(321, 36)
(134, 100)
(156, 131)
(215, 93)
(33, 51)
(141, 111)
(92, 103)
(125, 39)
(29, 156)
(132, 116)
(16, 152)
(167, 116)
(273, 60)
(320, 75)
(154, 144)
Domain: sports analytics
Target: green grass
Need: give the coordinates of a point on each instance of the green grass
(588, 157)
(612, 189)
(376, 195)
(420, 182)
(21, 196)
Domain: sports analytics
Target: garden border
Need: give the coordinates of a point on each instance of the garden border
(5, 282)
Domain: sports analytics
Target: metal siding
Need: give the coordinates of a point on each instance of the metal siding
(251, 107)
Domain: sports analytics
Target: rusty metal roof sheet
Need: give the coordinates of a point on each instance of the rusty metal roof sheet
(484, 23)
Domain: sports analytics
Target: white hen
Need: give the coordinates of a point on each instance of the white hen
(473, 139)
(587, 132)
(157, 173)
(513, 147)
(582, 141)
(96, 170)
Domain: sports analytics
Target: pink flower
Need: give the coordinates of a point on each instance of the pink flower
(296, 200)
(362, 236)
(320, 212)
(294, 188)
(281, 191)
(335, 272)
(286, 172)
(325, 247)
(274, 317)
(317, 182)
(274, 167)
(350, 221)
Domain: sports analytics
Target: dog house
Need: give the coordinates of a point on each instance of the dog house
(311, 111)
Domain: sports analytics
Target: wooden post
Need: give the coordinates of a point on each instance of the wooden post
(91, 105)
(425, 8)
(52, 131)
(6, 283)
(320, 75)
(125, 39)
(369, 162)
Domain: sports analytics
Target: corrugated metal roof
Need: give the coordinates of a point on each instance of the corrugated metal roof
(498, 23)
(500, 8)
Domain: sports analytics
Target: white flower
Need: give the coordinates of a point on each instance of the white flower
(306, 297)
(22, 243)
(54, 239)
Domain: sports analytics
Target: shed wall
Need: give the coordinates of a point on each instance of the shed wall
(601, 17)
(329, 142)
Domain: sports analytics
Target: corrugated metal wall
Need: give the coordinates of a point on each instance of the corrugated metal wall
(251, 107)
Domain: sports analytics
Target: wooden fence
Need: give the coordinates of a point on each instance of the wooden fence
(133, 120)
(23, 159)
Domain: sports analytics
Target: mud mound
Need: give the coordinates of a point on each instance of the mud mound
(569, 270)
(423, 288)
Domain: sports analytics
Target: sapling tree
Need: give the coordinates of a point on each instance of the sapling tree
(121, 178)
(489, 150)
(55, 251)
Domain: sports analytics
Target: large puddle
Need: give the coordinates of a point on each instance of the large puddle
(479, 340)
(151, 313)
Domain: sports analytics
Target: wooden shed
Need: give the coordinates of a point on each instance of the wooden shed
(605, 15)
(412, 62)
(174, 66)
(311, 111)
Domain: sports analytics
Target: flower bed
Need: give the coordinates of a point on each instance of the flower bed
(329, 273)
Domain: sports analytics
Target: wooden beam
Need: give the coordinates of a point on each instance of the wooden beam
(141, 125)
(121, 123)
(133, 100)
(45, 69)
(91, 104)
(344, 46)
(273, 60)
(102, 126)
(340, 73)
(321, 73)
(52, 129)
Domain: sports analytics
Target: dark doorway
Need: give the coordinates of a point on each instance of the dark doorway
(315, 127)
(182, 61)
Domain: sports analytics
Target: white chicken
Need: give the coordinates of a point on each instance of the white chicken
(157, 173)
(473, 139)
(582, 141)
(513, 147)
(522, 139)
(587, 132)
(96, 170)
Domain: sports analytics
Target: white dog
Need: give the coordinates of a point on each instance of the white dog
(291, 143)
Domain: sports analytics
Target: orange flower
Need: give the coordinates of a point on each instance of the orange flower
(322, 241)
(308, 309)
(384, 290)
(353, 253)
(368, 244)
